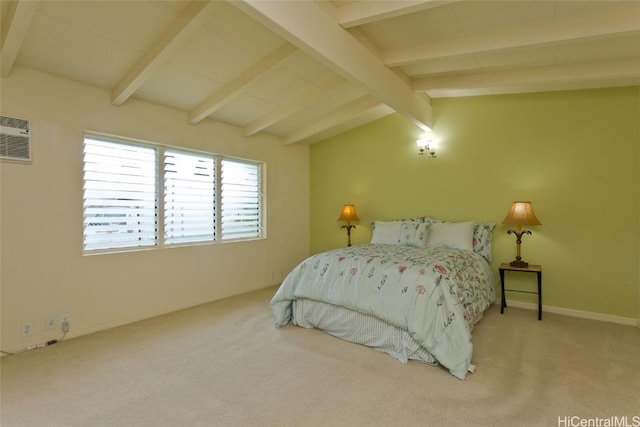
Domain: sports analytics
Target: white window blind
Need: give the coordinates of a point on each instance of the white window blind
(120, 197)
(189, 197)
(143, 195)
(240, 199)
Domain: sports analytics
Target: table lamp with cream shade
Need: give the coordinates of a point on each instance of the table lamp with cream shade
(520, 213)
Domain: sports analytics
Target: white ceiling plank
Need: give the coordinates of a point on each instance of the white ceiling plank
(14, 27)
(309, 97)
(236, 86)
(189, 22)
(306, 25)
(615, 23)
(337, 117)
(609, 69)
(360, 13)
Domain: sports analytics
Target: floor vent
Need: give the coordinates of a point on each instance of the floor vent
(15, 139)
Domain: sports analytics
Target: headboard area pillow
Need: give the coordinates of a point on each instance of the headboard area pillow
(386, 232)
(395, 233)
(418, 219)
(406, 232)
(482, 237)
(455, 235)
(414, 234)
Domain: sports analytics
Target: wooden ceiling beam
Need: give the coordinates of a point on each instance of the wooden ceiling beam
(360, 13)
(14, 27)
(186, 25)
(525, 36)
(609, 69)
(309, 27)
(235, 87)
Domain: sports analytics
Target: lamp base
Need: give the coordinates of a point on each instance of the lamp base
(519, 264)
(348, 227)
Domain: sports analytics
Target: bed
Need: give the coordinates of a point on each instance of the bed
(415, 292)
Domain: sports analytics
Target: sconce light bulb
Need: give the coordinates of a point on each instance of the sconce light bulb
(427, 145)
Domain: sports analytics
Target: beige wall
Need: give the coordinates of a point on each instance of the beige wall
(43, 270)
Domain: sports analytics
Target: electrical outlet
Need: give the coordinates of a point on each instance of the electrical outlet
(26, 329)
(65, 323)
(50, 323)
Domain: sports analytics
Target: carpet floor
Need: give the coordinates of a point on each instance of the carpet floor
(224, 364)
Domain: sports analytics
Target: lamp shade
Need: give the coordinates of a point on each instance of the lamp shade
(521, 213)
(348, 214)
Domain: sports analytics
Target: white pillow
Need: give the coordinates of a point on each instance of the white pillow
(414, 234)
(387, 232)
(455, 235)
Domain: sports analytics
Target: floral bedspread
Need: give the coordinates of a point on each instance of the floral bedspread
(436, 294)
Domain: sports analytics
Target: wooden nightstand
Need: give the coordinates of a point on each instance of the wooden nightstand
(530, 269)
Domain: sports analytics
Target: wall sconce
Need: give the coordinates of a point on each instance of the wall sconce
(348, 214)
(427, 145)
(520, 213)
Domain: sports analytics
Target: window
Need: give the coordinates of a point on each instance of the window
(141, 195)
(120, 202)
(240, 199)
(189, 197)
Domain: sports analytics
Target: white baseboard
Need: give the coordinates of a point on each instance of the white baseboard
(575, 313)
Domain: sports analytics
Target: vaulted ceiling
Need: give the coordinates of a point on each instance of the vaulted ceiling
(306, 70)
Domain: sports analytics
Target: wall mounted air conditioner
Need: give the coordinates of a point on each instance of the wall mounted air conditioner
(15, 140)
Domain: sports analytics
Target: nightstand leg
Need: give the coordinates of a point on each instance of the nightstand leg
(503, 304)
(540, 295)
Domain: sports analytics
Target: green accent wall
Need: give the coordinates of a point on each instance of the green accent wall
(573, 154)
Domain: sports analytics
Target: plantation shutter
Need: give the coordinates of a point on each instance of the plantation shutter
(119, 202)
(240, 199)
(189, 197)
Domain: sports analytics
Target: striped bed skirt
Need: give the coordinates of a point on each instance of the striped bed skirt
(359, 328)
